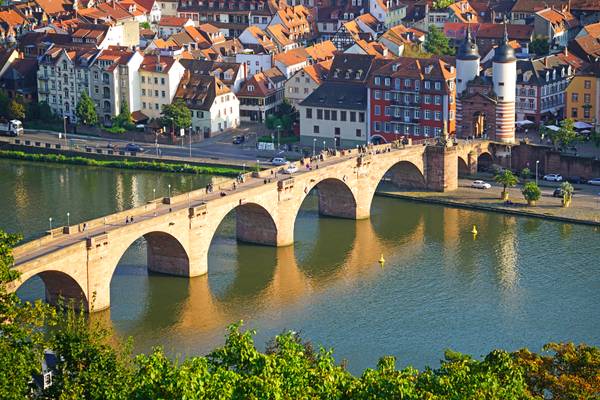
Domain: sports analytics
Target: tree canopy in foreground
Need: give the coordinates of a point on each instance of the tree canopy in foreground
(90, 367)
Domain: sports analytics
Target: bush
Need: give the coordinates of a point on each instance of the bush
(531, 192)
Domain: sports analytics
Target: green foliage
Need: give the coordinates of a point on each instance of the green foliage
(414, 51)
(567, 190)
(40, 111)
(539, 46)
(507, 179)
(282, 140)
(144, 25)
(86, 110)
(4, 103)
(437, 43)
(565, 136)
(441, 4)
(525, 173)
(142, 165)
(176, 115)
(16, 110)
(122, 122)
(595, 138)
(531, 191)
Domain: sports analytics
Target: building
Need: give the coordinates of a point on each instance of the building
(232, 75)
(63, 75)
(523, 11)
(541, 85)
(486, 104)
(583, 96)
(20, 79)
(159, 77)
(291, 61)
(295, 19)
(335, 114)
(399, 36)
(304, 82)
(261, 95)
(488, 35)
(213, 105)
(559, 26)
(170, 25)
(412, 97)
(257, 40)
(396, 12)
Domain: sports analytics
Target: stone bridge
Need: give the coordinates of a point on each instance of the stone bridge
(77, 262)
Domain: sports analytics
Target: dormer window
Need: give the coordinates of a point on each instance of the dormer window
(251, 88)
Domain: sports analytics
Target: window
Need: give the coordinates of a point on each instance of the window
(388, 95)
(361, 117)
(352, 116)
(156, 81)
(531, 92)
(574, 112)
(437, 100)
(426, 130)
(427, 99)
(156, 93)
(143, 92)
(388, 111)
(377, 126)
(144, 105)
(586, 112)
(417, 85)
(143, 79)
(342, 115)
(427, 85)
(417, 114)
(327, 115)
(315, 128)
(319, 113)
(388, 127)
(586, 98)
(377, 80)
(587, 84)
(574, 97)
(333, 115)
(358, 133)
(377, 95)
(427, 114)
(438, 86)
(406, 98)
(407, 83)
(377, 110)
(500, 83)
(156, 106)
(438, 116)
(451, 116)
(387, 81)
(309, 113)
(163, 94)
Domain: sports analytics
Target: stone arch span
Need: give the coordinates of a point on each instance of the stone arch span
(463, 167)
(406, 175)
(254, 224)
(61, 286)
(484, 161)
(335, 198)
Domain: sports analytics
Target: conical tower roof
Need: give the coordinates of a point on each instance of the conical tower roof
(504, 53)
(468, 48)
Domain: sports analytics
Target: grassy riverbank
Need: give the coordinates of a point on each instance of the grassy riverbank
(141, 165)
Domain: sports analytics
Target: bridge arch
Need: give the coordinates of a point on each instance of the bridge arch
(463, 167)
(484, 161)
(59, 285)
(406, 175)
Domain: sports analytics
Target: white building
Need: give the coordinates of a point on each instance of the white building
(159, 77)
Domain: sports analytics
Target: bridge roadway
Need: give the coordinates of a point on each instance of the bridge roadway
(77, 262)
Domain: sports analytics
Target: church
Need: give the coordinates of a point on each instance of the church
(485, 105)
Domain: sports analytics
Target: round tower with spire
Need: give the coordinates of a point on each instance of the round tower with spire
(504, 78)
(467, 62)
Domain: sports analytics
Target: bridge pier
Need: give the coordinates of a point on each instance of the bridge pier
(441, 172)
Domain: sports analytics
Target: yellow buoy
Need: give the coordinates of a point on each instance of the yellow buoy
(474, 230)
(381, 261)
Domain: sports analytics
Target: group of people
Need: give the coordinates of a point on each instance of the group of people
(209, 188)
(129, 220)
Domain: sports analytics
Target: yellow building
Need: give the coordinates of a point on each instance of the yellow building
(583, 96)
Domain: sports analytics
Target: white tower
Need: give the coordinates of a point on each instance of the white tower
(467, 68)
(504, 78)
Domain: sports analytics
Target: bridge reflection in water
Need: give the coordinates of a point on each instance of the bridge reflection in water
(247, 281)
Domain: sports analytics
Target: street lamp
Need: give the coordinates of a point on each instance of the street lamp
(169, 190)
(278, 136)
(68, 219)
(190, 133)
(65, 127)
(314, 145)
(537, 162)
(323, 145)
(153, 193)
(244, 167)
(50, 221)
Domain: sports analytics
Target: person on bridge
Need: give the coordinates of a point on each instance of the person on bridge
(126, 220)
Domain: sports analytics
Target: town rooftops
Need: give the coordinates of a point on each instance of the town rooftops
(487, 30)
(319, 71)
(156, 63)
(416, 68)
(560, 20)
(172, 21)
(292, 57)
(322, 50)
(199, 91)
(226, 71)
(262, 84)
(533, 6)
(338, 95)
(351, 67)
(463, 11)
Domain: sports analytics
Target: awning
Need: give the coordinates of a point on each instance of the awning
(524, 122)
(581, 125)
(553, 127)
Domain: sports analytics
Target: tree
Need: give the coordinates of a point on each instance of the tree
(124, 119)
(441, 4)
(436, 43)
(16, 110)
(176, 115)
(4, 103)
(21, 338)
(507, 179)
(40, 112)
(565, 135)
(567, 192)
(531, 192)
(86, 110)
(145, 25)
(525, 174)
(539, 46)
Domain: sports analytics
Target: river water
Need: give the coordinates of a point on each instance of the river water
(520, 282)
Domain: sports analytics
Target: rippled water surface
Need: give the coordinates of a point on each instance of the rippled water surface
(521, 282)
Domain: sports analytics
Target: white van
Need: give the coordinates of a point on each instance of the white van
(279, 161)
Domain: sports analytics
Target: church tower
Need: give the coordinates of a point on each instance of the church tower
(467, 68)
(504, 79)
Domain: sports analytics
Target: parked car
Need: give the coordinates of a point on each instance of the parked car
(558, 192)
(111, 146)
(238, 140)
(553, 178)
(480, 185)
(134, 148)
(595, 181)
(575, 179)
(291, 169)
(279, 161)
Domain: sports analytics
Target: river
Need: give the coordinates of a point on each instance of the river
(520, 283)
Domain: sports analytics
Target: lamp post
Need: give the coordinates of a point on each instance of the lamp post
(257, 165)
(314, 145)
(68, 219)
(323, 145)
(190, 133)
(244, 168)
(153, 193)
(169, 190)
(278, 136)
(50, 221)
(537, 162)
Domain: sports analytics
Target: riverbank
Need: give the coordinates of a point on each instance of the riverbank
(125, 163)
(584, 209)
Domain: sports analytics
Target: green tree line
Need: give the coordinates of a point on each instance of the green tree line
(89, 367)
